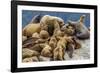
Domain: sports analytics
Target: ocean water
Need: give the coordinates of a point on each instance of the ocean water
(27, 16)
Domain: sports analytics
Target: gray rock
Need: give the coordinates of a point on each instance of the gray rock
(42, 58)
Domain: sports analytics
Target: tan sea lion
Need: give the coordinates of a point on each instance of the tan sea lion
(29, 29)
(50, 23)
(47, 51)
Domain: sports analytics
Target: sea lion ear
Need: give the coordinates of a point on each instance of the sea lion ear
(82, 18)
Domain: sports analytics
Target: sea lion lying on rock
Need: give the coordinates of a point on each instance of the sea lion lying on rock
(36, 47)
(29, 29)
(50, 23)
(30, 42)
(59, 51)
(82, 31)
(29, 53)
(33, 26)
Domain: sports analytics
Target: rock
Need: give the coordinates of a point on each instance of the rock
(42, 58)
(31, 59)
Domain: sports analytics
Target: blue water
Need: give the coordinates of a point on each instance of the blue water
(27, 15)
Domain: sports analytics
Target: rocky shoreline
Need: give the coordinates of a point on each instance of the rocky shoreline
(50, 39)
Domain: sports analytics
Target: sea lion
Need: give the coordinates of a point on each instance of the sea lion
(82, 31)
(36, 47)
(32, 41)
(59, 51)
(29, 53)
(50, 23)
(29, 29)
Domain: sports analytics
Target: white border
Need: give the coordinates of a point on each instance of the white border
(53, 63)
